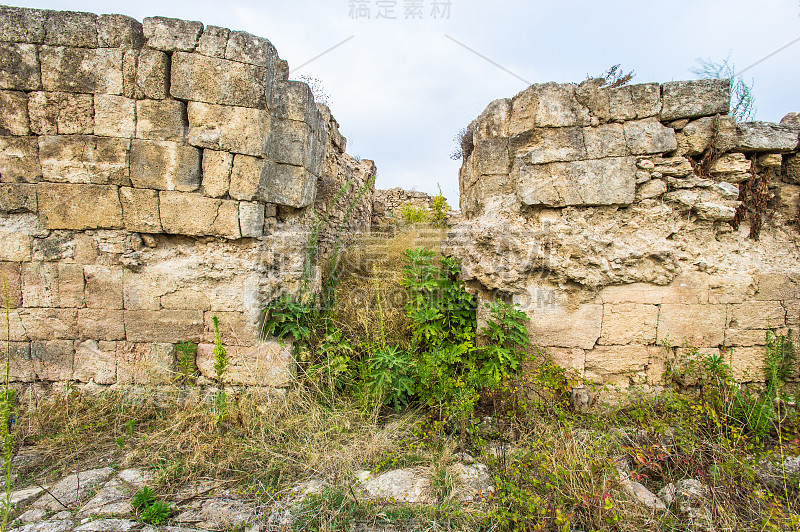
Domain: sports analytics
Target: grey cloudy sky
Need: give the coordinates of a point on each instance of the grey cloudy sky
(401, 89)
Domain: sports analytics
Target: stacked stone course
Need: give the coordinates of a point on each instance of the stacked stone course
(603, 214)
(153, 175)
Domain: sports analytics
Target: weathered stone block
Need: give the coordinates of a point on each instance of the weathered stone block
(114, 116)
(595, 98)
(65, 113)
(40, 284)
(292, 100)
(213, 41)
(629, 323)
(71, 28)
(152, 75)
(630, 102)
(15, 198)
(289, 142)
(50, 323)
(649, 136)
(186, 299)
(731, 288)
(574, 359)
(168, 326)
(541, 146)
(695, 138)
(58, 246)
(103, 286)
(15, 246)
(145, 363)
(756, 315)
(493, 121)
(140, 211)
(560, 326)
(748, 364)
(288, 185)
(70, 285)
(119, 31)
(546, 105)
(161, 120)
(16, 328)
(745, 337)
(609, 181)
(10, 284)
(731, 163)
(251, 219)
(212, 80)
(19, 24)
(84, 159)
(607, 140)
(19, 67)
(21, 365)
(101, 324)
(211, 217)
(85, 70)
(19, 160)
(217, 167)
(79, 207)
(13, 113)
(268, 364)
(621, 365)
(248, 179)
(691, 99)
(233, 328)
(52, 360)
(692, 325)
(164, 165)
(775, 287)
(247, 48)
(770, 160)
(766, 136)
(651, 189)
(686, 289)
(95, 361)
(234, 129)
(791, 168)
(171, 34)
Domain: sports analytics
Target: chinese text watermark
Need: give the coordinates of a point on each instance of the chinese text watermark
(399, 9)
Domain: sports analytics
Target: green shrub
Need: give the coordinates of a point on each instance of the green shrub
(412, 215)
(439, 208)
(186, 353)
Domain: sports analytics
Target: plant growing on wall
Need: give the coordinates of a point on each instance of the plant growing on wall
(743, 101)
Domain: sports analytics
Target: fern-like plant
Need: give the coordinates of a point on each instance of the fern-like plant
(187, 363)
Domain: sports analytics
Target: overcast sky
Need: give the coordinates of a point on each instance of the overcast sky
(401, 89)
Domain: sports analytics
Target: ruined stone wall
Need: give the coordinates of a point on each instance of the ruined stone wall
(152, 176)
(610, 216)
(388, 202)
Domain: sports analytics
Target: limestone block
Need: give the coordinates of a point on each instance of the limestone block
(535, 147)
(152, 75)
(691, 99)
(560, 326)
(18, 24)
(101, 324)
(595, 98)
(651, 189)
(171, 34)
(609, 181)
(791, 118)
(19, 160)
(283, 70)
(103, 287)
(71, 28)
(52, 360)
(775, 287)
(692, 325)
(268, 364)
(546, 105)
(695, 137)
(568, 358)
(289, 142)
(233, 328)
(16, 331)
(630, 102)
(84, 159)
(119, 31)
(15, 198)
(21, 365)
(289, 185)
(715, 211)
(293, 100)
(164, 165)
(145, 363)
(88, 70)
(213, 41)
(161, 120)
(14, 113)
(788, 201)
(140, 211)
(167, 326)
(649, 136)
(748, 364)
(731, 163)
(186, 299)
(672, 166)
(247, 179)
(210, 216)
(494, 120)
(15, 246)
(19, 67)
(95, 361)
(766, 136)
(791, 166)
(114, 116)
(212, 80)
(745, 337)
(247, 48)
(234, 129)
(251, 219)
(756, 315)
(770, 160)
(50, 323)
(685, 289)
(607, 140)
(70, 285)
(59, 245)
(79, 207)
(40, 284)
(10, 284)
(629, 323)
(217, 166)
(731, 288)
(619, 365)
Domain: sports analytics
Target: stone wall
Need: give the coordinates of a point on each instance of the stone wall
(388, 202)
(610, 216)
(152, 176)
